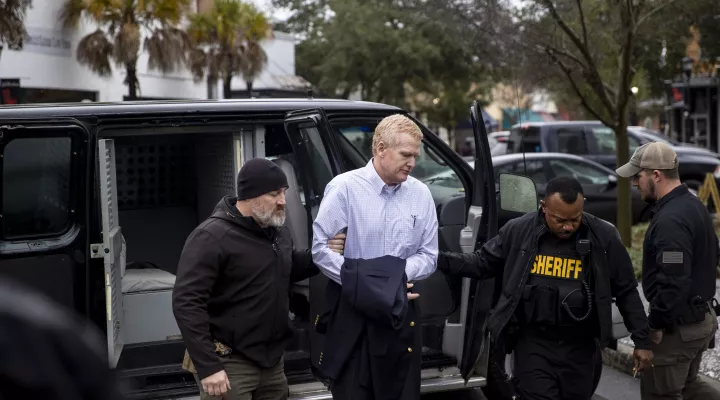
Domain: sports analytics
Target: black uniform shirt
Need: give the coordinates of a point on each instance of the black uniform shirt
(559, 265)
(680, 255)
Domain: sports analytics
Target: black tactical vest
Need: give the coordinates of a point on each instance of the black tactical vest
(557, 277)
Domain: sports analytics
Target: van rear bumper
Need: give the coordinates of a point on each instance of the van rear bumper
(433, 380)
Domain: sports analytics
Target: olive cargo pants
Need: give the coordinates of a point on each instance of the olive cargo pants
(677, 362)
(247, 380)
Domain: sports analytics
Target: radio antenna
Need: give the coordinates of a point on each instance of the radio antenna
(519, 120)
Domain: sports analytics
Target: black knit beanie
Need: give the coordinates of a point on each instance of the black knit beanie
(259, 176)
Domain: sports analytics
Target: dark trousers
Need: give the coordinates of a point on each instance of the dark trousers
(674, 374)
(552, 369)
(350, 385)
(250, 382)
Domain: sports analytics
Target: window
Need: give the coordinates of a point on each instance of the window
(535, 170)
(526, 139)
(571, 141)
(429, 167)
(36, 187)
(582, 171)
(606, 142)
(318, 156)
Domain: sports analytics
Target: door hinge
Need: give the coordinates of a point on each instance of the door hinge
(98, 250)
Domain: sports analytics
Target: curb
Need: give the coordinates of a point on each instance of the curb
(622, 360)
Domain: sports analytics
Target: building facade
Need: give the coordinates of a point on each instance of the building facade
(47, 69)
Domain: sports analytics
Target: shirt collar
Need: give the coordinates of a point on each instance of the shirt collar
(678, 191)
(378, 185)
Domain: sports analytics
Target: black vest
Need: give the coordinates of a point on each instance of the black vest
(557, 289)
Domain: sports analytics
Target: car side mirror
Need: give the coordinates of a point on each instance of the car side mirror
(518, 194)
(612, 181)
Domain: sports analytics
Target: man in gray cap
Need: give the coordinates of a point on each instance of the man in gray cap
(680, 255)
(231, 293)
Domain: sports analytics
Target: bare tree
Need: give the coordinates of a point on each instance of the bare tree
(599, 67)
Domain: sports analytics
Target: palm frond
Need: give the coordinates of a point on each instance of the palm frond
(197, 63)
(12, 26)
(71, 13)
(127, 43)
(95, 50)
(253, 62)
(162, 11)
(167, 49)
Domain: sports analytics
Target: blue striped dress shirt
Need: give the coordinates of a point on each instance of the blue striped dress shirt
(382, 220)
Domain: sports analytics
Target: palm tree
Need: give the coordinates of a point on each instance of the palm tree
(121, 24)
(12, 23)
(226, 43)
(254, 57)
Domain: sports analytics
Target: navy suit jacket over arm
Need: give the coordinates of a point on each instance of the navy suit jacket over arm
(371, 304)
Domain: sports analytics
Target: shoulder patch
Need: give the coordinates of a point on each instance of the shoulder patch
(672, 257)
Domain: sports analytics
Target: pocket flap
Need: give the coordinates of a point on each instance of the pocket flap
(528, 291)
(693, 332)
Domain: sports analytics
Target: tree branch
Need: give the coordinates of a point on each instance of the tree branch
(577, 90)
(582, 22)
(594, 79)
(565, 53)
(650, 13)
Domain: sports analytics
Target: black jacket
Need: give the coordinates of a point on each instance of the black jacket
(370, 306)
(48, 352)
(680, 257)
(232, 285)
(510, 255)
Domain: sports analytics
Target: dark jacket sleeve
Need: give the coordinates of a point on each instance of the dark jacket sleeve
(198, 269)
(303, 266)
(488, 262)
(672, 245)
(623, 287)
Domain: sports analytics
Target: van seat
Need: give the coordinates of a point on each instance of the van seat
(147, 280)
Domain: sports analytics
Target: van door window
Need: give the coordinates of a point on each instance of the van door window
(429, 167)
(36, 187)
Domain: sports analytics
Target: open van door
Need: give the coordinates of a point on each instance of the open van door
(481, 226)
(514, 196)
(111, 248)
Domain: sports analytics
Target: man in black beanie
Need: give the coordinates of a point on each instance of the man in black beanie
(231, 293)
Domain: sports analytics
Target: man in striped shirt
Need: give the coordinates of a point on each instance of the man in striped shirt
(387, 213)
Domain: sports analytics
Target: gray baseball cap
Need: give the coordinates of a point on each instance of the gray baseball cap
(652, 156)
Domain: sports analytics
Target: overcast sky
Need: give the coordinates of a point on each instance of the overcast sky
(266, 7)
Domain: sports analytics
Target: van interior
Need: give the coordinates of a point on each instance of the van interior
(169, 181)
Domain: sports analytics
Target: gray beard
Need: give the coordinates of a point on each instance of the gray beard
(268, 218)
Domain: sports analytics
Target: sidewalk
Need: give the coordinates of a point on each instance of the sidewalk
(622, 361)
(710, 366)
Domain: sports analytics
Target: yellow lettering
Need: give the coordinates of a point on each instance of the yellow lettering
(549, 265)
(578, 270)
(570, 268)
(557, 268)
(541, 265)
(532, 271)
(564, 267)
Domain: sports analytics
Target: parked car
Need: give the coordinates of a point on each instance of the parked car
(595, 141)
(498, 142)
(599, 182)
